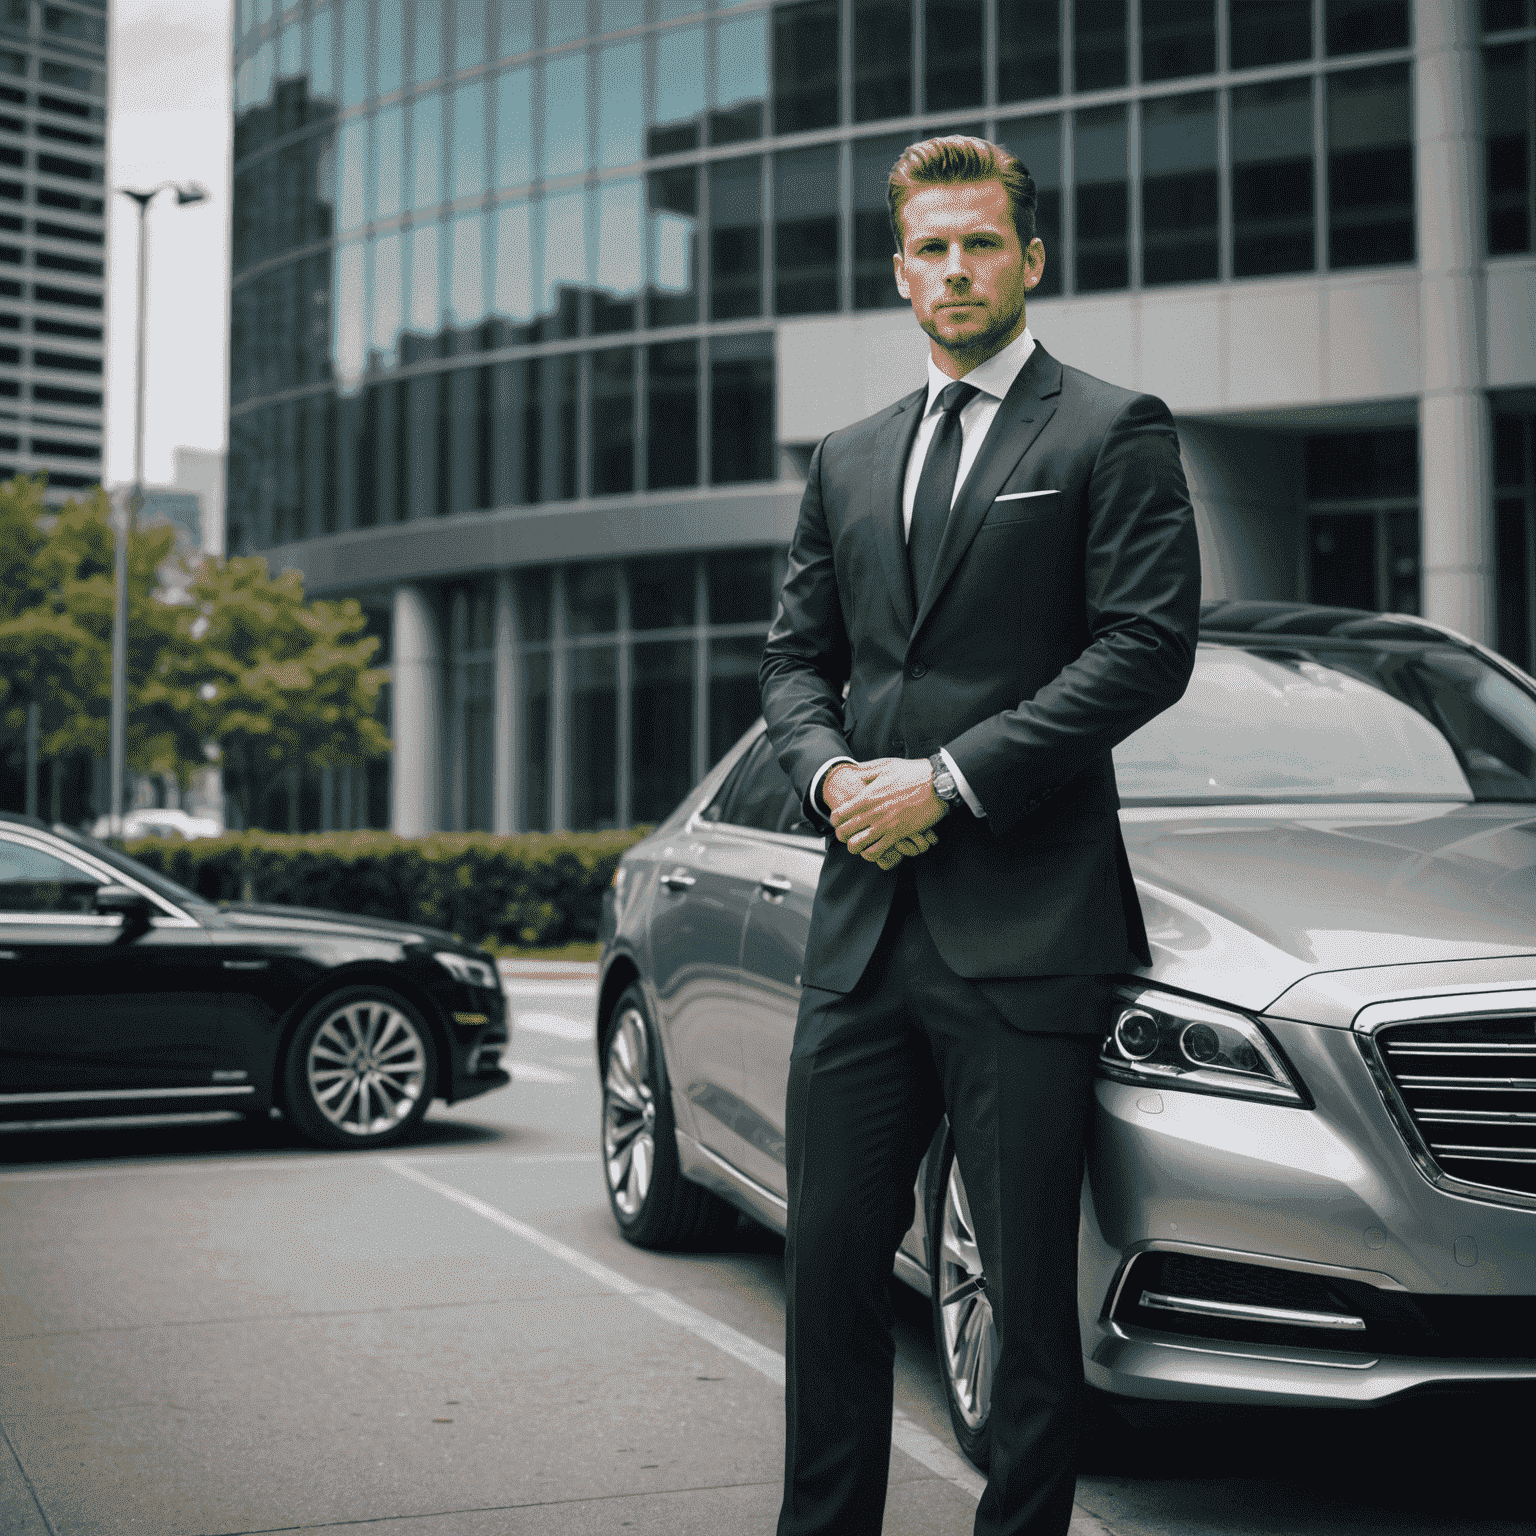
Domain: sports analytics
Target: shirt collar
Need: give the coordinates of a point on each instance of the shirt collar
(994, 377)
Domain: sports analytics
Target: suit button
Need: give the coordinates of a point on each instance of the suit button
(918, 669)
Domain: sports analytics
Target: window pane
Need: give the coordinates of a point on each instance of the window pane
(421, 445)
(565, 114)
(514, 128)
(554, 391)
(661, 592)
(734, 698)
(513, 266)
(468, 33)
(805, 72)
(534, 603)
(1361, 465)
(1507, 93)
(741, 588)
(469, 178)
(735, 238)
(1273, 223)
(882, 59)
(1178, 37)
(674, 204)
(954, 43)
(1028, 50)
(620, 255)
(388, 294)
(1341, 559)
(466, 280)
(1402, 561)
(1269, 31)
(426, 317)
(620, 103)
(1178, 190)
(427, 57)
(594, 737)
(427, 151)
(661, 728)
(1103, 206)
(1513, 591)
(591, 599)
(465, 430)
(1370, 167)
(613, 421)
(679, 85)
(1037, 143)
(351, 174)
(389, 163)
(1360, 26)
(672, 428)
(33, 881)
(351, 304)
(534, 811)
(565, 262)
(514, 446)
(741, 75)
(389, 44)
(354, 52)
(564, 20)
(805, 230)
(874, 281)
(1098, 44)
(741, 434)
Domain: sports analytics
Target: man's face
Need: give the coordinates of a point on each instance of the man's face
(963, 269)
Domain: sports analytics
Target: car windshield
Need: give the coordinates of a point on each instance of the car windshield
(144, 875)
(1303, 720)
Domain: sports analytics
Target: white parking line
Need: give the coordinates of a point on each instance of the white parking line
(908, 1436)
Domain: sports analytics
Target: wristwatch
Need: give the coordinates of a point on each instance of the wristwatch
(944, 785)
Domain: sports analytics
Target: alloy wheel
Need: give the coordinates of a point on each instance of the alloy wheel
(366, 1067)
(970, 1340)
(629, 1115)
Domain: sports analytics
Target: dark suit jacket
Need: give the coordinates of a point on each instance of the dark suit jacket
(1053, 626)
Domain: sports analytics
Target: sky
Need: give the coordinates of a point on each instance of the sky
(169, 120)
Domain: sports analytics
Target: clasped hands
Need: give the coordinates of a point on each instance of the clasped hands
(884, 810)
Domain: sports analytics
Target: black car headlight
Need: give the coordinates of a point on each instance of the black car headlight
(472, 972)
(1162, 1040)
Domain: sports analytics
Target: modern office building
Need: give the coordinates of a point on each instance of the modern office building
(539, 309)
(53, 110)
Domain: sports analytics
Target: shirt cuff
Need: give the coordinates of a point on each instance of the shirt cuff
(966, 792)
(813, 795)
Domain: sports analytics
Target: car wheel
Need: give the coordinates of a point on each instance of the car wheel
(361, 1069)
(654, 1205)
(963, 1333)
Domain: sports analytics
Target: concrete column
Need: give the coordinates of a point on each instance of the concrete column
(417, 696)
(1454, 438)
(505, 711)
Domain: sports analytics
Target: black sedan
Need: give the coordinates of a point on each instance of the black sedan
(123, 993)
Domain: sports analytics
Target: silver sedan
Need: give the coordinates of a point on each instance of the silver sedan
(1312, 1174)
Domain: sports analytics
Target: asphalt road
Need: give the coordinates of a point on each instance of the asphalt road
(210, 1329)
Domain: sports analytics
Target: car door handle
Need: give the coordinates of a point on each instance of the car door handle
(8, 954)
(776, 885)
(245, 965)
(678, 880)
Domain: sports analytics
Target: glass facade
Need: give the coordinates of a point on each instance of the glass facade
(1509, 124)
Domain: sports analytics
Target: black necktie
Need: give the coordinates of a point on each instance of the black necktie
(936, 488)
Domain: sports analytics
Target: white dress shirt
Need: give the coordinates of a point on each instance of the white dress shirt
(992, 380)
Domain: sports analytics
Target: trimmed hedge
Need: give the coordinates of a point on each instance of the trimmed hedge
(533, 890)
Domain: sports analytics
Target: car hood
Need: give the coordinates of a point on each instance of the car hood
(271, 916)
(1241, 902)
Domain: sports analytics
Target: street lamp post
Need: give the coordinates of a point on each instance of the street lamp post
(186, 192)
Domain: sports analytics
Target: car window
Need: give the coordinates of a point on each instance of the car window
(35, 882)
(757, 793)
(160, 884)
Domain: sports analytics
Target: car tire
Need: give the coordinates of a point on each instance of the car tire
(654, 1205)
(965, 1340)
(361, 1069)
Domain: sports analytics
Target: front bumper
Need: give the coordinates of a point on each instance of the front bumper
(1328, 1200)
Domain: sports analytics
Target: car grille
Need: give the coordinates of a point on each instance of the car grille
(1219, 1300)
(1470, 1087)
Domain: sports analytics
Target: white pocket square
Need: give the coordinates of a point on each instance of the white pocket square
(1022, 495)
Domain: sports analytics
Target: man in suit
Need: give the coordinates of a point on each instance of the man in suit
(1002, 569)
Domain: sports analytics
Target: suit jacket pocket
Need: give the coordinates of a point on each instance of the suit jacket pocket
(1008, 510)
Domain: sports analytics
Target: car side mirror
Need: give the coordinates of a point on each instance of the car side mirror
(134, 907)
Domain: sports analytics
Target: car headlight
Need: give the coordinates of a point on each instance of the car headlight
(473, 973)
(1175, 1042)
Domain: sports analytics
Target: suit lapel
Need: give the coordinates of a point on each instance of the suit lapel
(893, 444)
(1020, 419)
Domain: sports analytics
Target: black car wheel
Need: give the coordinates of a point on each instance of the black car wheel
(654, 1205)
(963, 1333)
(361, 1069)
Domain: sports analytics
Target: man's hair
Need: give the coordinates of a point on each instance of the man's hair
(960, 158)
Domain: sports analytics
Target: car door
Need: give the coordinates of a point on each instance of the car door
(706, 881)
(95, 1016)
(772, 954)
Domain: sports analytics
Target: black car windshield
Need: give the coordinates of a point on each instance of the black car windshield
(1329, 720)
(145, 876)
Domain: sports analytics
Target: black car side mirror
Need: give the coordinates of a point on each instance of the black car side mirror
(134, 907)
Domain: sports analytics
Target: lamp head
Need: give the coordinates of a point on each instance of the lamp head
(191, 192)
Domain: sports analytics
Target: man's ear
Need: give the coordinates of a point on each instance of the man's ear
(1034, 262)
(901, 275)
